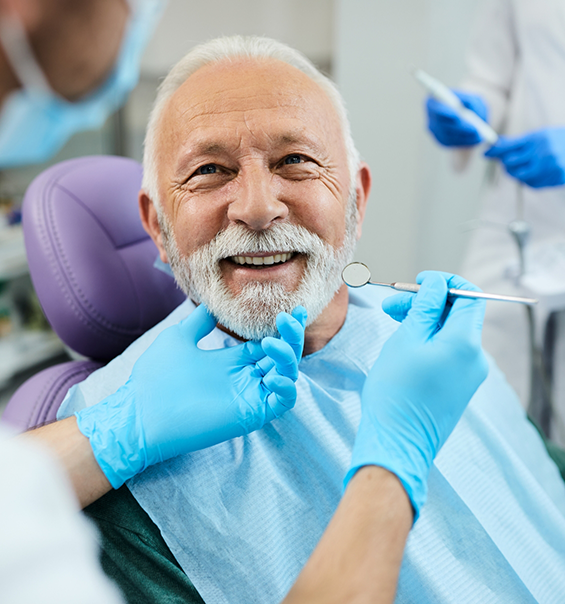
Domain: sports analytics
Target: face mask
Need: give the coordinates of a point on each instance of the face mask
(35, 122)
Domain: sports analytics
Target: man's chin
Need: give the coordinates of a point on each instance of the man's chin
(252, 314)
(256, 334)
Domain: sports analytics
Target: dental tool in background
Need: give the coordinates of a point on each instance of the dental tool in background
(442, 93)
(358, 274)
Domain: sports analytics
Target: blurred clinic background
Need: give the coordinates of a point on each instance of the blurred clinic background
(420, 211)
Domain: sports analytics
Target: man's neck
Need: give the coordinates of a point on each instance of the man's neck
(326, 326)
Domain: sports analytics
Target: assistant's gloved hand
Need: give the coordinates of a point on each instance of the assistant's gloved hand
(421, 383)
(536, 159)
(180, 398)
(448, 128)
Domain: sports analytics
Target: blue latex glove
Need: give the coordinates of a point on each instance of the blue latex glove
(180, 398)
(536, 159)
(421, 383)
(448, 128)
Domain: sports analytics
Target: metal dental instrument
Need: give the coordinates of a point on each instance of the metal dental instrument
(358, 274)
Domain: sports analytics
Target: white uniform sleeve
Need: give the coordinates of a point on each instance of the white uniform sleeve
(48, 550)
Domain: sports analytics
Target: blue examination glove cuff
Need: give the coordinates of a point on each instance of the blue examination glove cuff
(119, 460)
(412, 470)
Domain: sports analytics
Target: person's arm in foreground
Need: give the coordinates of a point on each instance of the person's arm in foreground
(178, 399)
(74, 453)
(359, 555)
(413, 398)
(48, 551)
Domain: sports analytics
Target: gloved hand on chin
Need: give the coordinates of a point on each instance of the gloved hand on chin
(421, 383)
(180, 398)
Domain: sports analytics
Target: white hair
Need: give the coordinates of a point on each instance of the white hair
(230, 49)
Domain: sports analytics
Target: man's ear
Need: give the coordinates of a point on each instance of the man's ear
(150, 223)
(362, 188)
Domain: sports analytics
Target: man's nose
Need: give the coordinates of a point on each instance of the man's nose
(256, 203)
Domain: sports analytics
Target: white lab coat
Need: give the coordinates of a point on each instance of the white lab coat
(516, 62)
(48, 551)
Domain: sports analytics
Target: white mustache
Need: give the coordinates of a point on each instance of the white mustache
(237, 240)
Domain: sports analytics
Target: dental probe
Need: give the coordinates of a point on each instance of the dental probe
(442, 93)
(358, 274)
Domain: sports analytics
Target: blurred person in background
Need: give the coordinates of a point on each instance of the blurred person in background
(516, 81)
(65, 65)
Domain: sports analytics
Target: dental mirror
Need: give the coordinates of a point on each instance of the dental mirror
(356, 274)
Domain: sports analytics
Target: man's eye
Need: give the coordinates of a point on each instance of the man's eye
(293, 159)
(207, 169)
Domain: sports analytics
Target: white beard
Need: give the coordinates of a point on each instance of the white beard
(252, 313)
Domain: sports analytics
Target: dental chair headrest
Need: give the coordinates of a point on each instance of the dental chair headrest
(90, 260)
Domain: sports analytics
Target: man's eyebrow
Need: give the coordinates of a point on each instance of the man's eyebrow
(208, 148)
(300, 139)
(199, 149)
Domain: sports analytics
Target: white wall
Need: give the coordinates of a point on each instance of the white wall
(304, 24)
(417, 205)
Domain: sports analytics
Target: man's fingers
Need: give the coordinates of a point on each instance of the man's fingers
(283, 357)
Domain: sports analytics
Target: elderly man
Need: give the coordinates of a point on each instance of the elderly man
(254, 193)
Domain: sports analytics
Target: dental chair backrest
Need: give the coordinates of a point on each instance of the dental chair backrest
(91, 263)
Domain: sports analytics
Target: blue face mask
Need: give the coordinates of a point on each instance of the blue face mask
(35, 122)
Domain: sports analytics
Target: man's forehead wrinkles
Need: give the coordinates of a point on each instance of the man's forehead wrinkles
(242, 98)
(191, 112)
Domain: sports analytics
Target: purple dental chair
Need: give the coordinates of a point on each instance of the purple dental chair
(91, 264)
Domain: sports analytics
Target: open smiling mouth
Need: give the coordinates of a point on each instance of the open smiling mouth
(261, 261)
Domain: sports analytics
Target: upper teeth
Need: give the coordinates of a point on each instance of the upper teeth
(261, 260)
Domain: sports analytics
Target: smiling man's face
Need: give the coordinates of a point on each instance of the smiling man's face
(258, 212)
